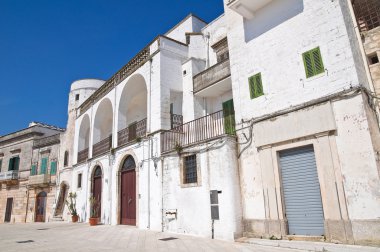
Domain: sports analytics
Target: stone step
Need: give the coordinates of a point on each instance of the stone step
(56, 218)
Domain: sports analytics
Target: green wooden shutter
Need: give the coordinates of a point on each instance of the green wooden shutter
(53, 167)
(16, 163)
(255, 86)
(229, 117)
(43, 166)
(33, 170)
(10, 166)
(313, 62)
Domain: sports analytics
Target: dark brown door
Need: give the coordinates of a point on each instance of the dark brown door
(97, 193)
(128, 198)
(41, 207)
(61, 200)
(8, 210)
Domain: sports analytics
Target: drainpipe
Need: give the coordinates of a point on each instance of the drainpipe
(150, 152)
(149, 155)
(162, 195)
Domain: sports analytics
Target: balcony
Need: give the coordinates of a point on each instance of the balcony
(82, 156)
(213, 75)
(39, 180)
(202, 129)
(367, 14)
(46, 141)
(8, 176)
(247, 8)
(102, 147)
(132, 132)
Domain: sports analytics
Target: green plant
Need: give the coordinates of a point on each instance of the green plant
(71, 203)
(178, 148)
(273, 238)
(94, 207)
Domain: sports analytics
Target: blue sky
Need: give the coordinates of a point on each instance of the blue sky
(45, 45)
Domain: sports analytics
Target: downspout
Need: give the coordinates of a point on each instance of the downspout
(162, 195)
(149, 139)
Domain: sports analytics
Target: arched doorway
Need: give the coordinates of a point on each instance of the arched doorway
(97, 188)
(41, 207)
(128, 192)
(61, 200)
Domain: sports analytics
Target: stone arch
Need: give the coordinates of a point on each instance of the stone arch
(133, 102)
(84, 133)
(103, 121)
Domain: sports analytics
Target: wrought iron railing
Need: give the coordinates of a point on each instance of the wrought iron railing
(367, 14)
(9, 175)
(102, 147)
(212, 75)
(175, 120)
(202, 129)
(82, 156)
(132, 132)
(46, 141)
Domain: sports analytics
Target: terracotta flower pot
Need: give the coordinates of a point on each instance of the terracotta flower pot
(93, 221)
(74, 218)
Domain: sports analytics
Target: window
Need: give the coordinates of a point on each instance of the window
(77, 97)
(53, 168)
(373, 59)
(33, 171)
(66, 159)
(79, 184)
(190, 169)
(313, 63)
(1, 164)
(14, 164)
(255, 86)
(44, 162)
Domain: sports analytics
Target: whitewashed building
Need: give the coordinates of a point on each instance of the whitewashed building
(261, 123)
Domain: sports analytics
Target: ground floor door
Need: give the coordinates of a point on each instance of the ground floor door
(8, 210)
(301, 190)
(40, 207)
(97, 193)
(61, 200)
(128, 198)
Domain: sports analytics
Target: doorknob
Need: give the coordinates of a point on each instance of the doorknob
(129, 201)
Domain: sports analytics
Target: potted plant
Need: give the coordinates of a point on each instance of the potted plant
(71, 205)
(94, 208)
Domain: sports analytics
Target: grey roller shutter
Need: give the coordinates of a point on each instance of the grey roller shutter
(303, 204)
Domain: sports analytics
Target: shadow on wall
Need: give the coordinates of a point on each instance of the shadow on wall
(270, 16)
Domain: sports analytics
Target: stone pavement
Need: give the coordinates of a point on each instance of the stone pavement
(81, 237)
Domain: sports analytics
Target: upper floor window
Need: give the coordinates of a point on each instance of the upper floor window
(255, 86)
(33, 170)
(221, 50)
(79, 181)
(313, 62)
(53, 167)
(1, 164)
(44, 162)
(14, 163)
(66, 159)
(77, 97)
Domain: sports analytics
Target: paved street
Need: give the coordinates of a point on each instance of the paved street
(81, 237)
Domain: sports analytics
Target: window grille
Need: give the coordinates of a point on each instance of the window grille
(190, 165)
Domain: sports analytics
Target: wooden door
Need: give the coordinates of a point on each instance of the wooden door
(40, 207)
(61, 200)
(229, 117)
(8, 210)
(97, 193)
(128, 198)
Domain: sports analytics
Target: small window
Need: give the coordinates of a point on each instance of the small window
(66, 159)
(79, 184)
(373, 59)
(190, 169)
(14, 164)
(313, 62)
(77, 97)
(255, 86)
(1, 164)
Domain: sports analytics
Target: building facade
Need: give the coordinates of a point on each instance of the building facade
(261, 123)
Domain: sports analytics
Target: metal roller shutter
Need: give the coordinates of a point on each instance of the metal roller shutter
(303, 204)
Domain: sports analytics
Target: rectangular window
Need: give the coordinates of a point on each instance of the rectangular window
(1, 164)
(190, 169)
(33, 171)
(53, 168)
(79, 180)
(255, 86)
(77, 97)
(14, 164)
(44, 162)
(313, 63)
